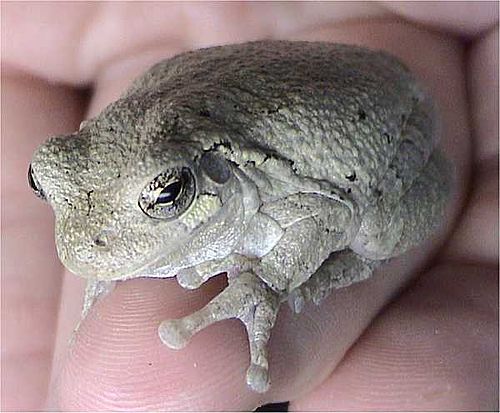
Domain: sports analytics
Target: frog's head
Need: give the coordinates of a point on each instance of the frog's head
(126, 206)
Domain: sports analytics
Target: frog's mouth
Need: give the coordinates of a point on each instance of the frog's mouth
(145, 266)
(141, 270)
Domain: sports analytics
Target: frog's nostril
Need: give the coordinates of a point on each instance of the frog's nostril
(100, 242)
(104, 238)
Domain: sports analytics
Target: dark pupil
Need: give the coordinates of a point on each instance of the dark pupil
(169, 193)
(33, 185)
(31, 180)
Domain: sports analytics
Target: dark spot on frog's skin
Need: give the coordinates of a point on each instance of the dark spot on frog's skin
(217, 145)
(89, 201)
(205, 113)
(175, 122)
(271, 111)
(361, 114)
(69, 203)
(351, 177)
(349, 190)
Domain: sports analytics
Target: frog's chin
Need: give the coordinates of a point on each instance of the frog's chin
(141, 270)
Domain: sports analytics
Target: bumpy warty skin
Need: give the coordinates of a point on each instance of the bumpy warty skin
(334, 110)
(311, 162)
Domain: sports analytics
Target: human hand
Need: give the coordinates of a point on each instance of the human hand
(432, 346)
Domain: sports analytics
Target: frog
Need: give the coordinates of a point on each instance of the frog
(293, 167)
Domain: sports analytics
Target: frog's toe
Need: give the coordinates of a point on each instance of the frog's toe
(174, 334)
(258, 378)
(296, 300)
(235, 299)
(189, 278)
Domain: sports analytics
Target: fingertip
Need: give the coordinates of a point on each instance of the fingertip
(433, 349)
(119, 362)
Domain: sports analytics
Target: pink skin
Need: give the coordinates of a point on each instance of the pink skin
(371, 346)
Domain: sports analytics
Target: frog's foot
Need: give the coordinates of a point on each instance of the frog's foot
(248, 298)
(194, 277)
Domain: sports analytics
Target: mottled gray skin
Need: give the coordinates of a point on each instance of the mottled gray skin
(313, 162)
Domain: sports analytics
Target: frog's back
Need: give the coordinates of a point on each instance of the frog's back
(336, 111)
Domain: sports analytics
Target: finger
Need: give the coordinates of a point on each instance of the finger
(476, 239)
(304, 349)
(71, 42)
(461, 17)
(482, 78)
(31, 273)
(435, 348)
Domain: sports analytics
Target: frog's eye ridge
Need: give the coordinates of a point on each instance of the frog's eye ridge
(34, 184)
(169, 194)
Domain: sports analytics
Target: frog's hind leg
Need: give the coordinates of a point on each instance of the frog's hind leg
(387, 231)
(393, 226)
(341, 269)
(247, 298)
(409, 202)
(408, 206)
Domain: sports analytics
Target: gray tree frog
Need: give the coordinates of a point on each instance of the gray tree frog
(294, 167)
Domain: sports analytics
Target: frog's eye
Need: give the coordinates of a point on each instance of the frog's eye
(34, 184)
(169, 194)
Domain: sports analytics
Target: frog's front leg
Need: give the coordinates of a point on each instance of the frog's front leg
(297, 233)
(94, 290)
(195, 276)
(262, 233)
(314, 226)
(247, 298)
